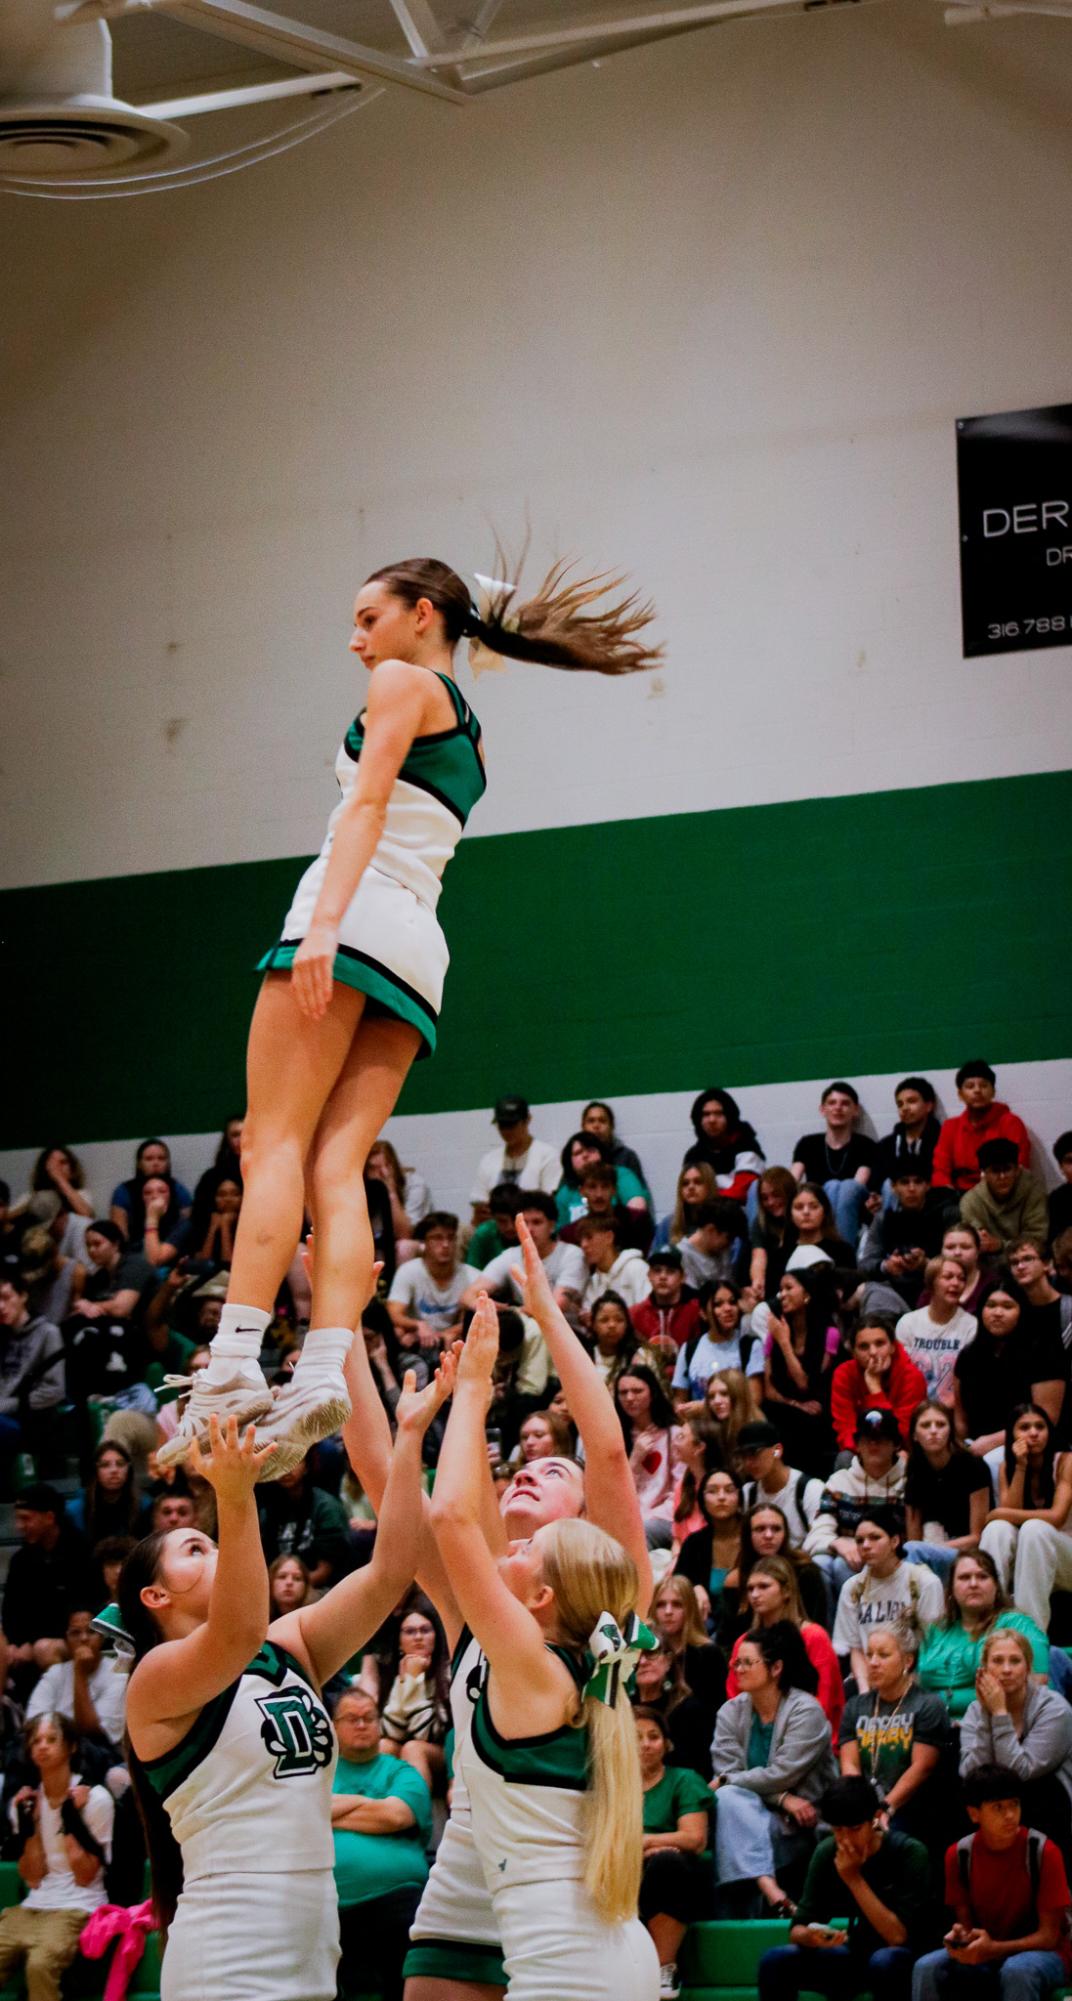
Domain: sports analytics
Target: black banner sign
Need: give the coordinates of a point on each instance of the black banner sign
(1014, 474)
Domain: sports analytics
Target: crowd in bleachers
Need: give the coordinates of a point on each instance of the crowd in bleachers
(843, 1385)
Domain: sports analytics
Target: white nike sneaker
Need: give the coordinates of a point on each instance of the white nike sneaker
(311, 1405)
(245, 1395)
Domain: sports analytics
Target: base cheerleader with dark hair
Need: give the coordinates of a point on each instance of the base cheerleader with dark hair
(231, 1750)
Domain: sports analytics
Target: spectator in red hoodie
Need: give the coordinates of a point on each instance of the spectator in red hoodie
(672, 1308)
(956, 1156)
(879, 1377)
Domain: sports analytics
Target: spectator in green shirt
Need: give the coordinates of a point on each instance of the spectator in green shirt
(880, 1882)
(676, 1888)
(381, 1819)
(951, 1651)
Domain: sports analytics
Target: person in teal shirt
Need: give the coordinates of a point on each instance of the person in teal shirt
(381, 1820)
(951, 1651)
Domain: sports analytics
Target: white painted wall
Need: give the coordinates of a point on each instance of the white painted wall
(709, 311)
(447, 1146)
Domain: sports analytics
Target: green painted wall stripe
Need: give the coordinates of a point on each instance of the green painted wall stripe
(759, 944)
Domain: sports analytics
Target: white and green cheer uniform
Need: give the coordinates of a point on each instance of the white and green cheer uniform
(505, 1897)
(455, 1934)
(527, 1801)
(391, 945)
(248, 1794)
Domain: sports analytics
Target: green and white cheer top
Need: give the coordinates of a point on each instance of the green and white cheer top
(248, 1790)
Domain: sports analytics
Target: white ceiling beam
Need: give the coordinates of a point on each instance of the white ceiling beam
(419, 25)
(248, 93)
(275, 35)
(498, 74)
(1003, 10)
(635, 26)
(423, 33)
(579, 45)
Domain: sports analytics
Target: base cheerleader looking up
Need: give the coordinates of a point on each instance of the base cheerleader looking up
(352, 989)
(232, 1752)
(550, 1762)
(456, 1950)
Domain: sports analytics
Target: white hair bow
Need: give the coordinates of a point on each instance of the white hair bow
(613, 1654)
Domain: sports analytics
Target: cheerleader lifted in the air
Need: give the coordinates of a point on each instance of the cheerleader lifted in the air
(352, 990)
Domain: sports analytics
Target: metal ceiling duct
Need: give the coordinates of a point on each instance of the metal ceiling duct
(58, 116)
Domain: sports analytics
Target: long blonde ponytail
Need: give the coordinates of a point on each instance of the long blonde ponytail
(590, 1573)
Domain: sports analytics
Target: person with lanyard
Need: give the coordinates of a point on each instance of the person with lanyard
(232, 1752)
(893, 1732)
(353, 986)
(456, 1951)
(550, 1760)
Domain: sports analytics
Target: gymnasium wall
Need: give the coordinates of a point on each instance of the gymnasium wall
(708, 311)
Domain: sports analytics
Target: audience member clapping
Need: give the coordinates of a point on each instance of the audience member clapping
(64, 1835)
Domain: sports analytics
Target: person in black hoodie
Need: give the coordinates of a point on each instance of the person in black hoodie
(915, 1134)
(726, 1143)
